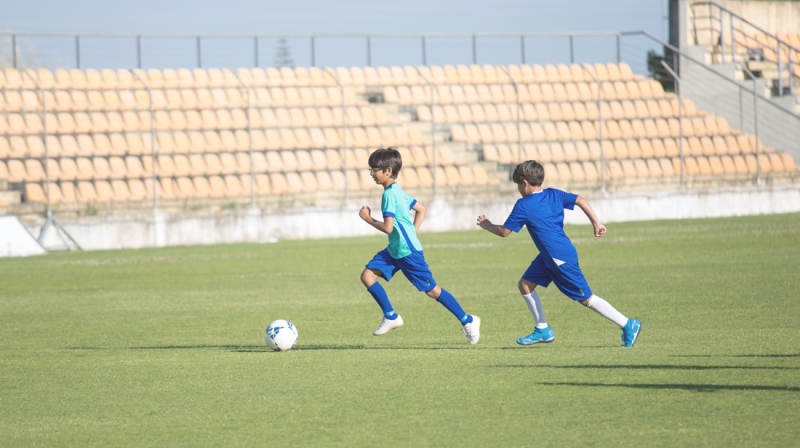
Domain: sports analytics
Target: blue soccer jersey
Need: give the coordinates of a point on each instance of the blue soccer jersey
(403, 240)
(542, 213)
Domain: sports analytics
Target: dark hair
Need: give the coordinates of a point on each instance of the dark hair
(531, 170)
(387, 158)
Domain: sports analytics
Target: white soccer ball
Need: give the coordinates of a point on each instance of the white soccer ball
(281, 335)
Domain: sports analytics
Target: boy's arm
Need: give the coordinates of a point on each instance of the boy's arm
(420, 215)
(599, 229)
(384, 226)
(484, 223)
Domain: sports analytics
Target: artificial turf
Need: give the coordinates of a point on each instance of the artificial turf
(165, 346)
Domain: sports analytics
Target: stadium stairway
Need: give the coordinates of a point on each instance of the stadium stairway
(99, 135)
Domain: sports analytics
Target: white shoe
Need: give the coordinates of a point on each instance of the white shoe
(473, 330)
(387, 325)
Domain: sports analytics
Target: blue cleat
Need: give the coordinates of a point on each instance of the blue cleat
(630, 332)
(539, 335)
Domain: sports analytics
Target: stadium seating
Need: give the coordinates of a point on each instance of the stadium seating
(100, 146)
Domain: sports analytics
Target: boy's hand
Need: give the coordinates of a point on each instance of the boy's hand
(483, 220)
(365, 213)
(599, 230)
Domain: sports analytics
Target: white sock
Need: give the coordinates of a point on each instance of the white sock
(535, 306)
(605, 309)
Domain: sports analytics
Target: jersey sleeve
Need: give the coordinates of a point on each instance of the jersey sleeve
(389, 204)
(411, 201)
(568, 199)
(517, 218)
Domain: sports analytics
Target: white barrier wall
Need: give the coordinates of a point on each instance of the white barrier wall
(16, 240)
(237, 226)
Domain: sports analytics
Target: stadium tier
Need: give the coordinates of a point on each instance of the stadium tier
(99, 130)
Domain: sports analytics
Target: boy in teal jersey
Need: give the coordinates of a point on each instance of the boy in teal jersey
(405, 251)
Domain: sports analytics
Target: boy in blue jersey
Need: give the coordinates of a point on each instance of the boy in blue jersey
(405, 251)
(542, 212)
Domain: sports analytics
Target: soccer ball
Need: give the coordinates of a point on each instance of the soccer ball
(281, 335)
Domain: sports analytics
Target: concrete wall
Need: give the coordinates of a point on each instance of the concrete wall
(772, 16)
(137, 231)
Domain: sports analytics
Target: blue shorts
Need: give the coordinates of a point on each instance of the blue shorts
(567, 277)
(413, 266)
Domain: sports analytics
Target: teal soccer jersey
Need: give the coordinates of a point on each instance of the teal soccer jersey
(403, 240)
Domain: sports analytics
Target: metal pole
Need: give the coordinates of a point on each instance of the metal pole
(44, 137)
(755, 124)
(791, 73)
(199, 60)
(139, 51)
(250, 143)
(313, 53)
(571, 50)
(433, 135)
(369, 51)
(424, 53)
(516, 91)
(14, 49)
(680, 116)
(474, 50)
(600, 130)
(619, 51)
(741, 108)
(50, 219)
(152, 145)
(78, 52)
(255, 49)
(522, 47)
(780, 70)
(330, 71)
(722, 35)
(733, 41)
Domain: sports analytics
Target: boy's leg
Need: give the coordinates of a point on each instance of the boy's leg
(449, 302)
(528, 291)
(370, 279)
(631, 328)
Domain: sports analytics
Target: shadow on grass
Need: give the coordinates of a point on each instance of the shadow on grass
(652, 367)
(788, 355)
(686, 387)
(263, 348)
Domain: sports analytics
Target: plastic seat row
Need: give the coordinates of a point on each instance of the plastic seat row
(477, 113)
(119, 167)
(528, 93)
(581, 130)
(17, 146)
(100, 100)
(81, 122)
(312, 76)
(231, 185)
(619, 149)
(767, 45)
(667, 167)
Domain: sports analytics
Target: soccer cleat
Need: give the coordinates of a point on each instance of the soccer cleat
(473, 330)
(388, 325)
(539, 335)
(630, 332)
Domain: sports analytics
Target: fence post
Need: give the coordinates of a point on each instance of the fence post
(77, 52)
(369, 52)
(344, 136)
(14, 50)
(250, 142)
(600, 128)
(474, 50)
(780, 70)
(255, 49)
(424, 53)
(755, 124)
(139, 51)
(199, 60)
(733, 41)
(571, 49)
(522, 47)
(680, 117)
(519, 110)
(433, 134)
(152, 148)
(313, 53)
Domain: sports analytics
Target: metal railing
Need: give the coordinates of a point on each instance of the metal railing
(719, 34)
(312, 42)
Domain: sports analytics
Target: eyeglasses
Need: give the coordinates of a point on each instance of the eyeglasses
(375, 170)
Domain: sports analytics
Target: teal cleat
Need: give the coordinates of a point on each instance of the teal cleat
(630, 332)
(539, 335)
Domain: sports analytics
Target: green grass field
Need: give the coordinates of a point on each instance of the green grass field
(165, 347)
